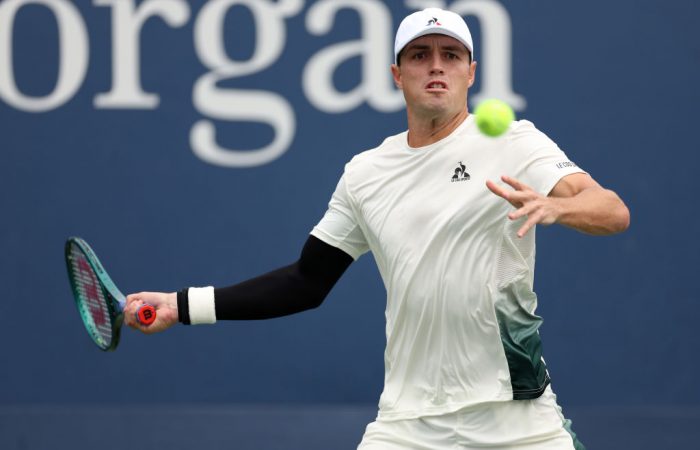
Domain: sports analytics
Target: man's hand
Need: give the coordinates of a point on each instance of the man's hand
(576, 201)
(537, 208)
(166, 311)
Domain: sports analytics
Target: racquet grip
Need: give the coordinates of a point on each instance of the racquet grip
(146, 314)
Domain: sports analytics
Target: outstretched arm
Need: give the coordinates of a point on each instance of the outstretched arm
(576, 201)
(288, 290)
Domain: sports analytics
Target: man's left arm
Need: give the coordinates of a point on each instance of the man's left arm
(576, 201)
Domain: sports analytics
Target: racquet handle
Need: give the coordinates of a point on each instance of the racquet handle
(146, 314)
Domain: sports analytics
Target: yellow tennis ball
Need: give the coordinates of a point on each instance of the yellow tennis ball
(493, 117)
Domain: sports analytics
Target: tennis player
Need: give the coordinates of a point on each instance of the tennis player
(449, 215)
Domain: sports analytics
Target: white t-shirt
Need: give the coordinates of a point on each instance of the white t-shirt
(461, 327)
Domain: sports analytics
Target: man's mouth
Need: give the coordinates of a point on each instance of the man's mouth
(436, 85)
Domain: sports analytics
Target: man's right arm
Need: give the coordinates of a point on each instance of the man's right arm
(294, 288)
(288, 290)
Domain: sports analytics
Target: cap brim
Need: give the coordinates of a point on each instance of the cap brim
(434, 30)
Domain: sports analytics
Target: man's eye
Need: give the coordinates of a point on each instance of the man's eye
(451, 56)
(420, 55)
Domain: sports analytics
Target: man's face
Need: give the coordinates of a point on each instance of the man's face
(435, 74)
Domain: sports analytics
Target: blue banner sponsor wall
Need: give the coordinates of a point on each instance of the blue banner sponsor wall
(196, 143)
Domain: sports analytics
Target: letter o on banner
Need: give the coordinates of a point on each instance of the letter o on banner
(73, 56)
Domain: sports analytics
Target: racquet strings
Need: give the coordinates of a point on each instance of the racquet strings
(91, 298)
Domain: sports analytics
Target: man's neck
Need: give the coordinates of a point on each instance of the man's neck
(424, 131)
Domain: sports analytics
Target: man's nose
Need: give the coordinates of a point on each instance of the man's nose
(436, 63)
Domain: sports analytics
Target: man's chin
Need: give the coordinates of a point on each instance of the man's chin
(434, 107)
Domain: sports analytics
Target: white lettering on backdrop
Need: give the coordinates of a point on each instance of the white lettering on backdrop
(73, 55)
(127, 21)
(375, 48)
(227, 104)
(236, 104)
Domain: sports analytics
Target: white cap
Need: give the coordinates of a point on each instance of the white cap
(432, 21)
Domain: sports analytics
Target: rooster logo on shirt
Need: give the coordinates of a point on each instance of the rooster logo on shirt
(460, 173)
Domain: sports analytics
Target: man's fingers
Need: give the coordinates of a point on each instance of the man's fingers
(133, 303)
(524, 198)
(130, 313)
(523, 230)
(515, 184)
(517, 214)
(496, 189)
(532, 220)
(515, 198)
(524, 211)
(512, 182)
(133, 299)
(529, 223)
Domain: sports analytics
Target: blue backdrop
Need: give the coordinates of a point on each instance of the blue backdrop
(196, 143)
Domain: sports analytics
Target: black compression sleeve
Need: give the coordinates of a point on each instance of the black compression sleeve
(288, 290)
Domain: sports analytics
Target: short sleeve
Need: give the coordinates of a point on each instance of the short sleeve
(546, 163)
(339, 226)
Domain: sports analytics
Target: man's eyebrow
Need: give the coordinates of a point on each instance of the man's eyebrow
(441, 47)
(454, 48)
(418, 47)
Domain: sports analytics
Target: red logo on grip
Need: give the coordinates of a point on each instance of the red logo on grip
(146, 314)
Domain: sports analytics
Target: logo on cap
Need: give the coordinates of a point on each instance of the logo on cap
(433, 21)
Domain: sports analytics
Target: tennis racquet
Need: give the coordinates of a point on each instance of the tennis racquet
(100, 303)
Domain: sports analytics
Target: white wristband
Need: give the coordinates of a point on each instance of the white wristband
(201, 305)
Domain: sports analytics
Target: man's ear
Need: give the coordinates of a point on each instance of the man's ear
(472, 73)
(396, 73)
